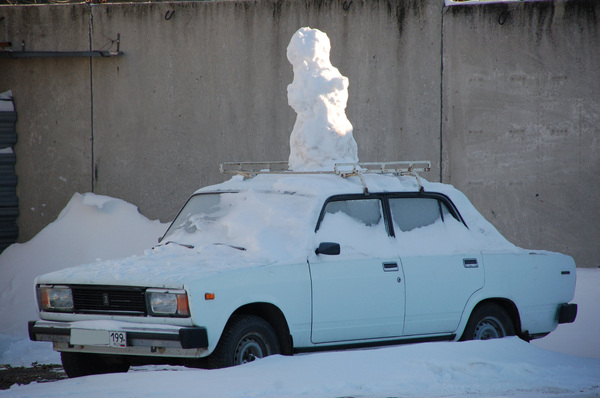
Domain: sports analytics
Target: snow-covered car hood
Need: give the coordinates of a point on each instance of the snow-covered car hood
(168, 266)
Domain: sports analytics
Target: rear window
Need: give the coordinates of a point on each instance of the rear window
(411, 213)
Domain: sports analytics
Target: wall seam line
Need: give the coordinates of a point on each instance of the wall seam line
(93, 160)
(442, 95)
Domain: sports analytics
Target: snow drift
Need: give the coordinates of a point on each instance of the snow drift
(90, 228)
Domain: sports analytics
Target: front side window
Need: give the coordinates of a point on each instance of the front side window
(365, 211)
(357, 224)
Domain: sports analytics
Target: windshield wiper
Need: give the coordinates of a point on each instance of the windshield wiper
(217, 244)
(233, 247)
(180, 244)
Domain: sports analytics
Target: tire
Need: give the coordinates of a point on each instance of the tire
(78, 364)
(245, 338)
(488, 321)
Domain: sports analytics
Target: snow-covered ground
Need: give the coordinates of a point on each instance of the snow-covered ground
(499, 368)
(93, 226)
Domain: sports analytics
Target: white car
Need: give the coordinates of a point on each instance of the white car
(278, 263)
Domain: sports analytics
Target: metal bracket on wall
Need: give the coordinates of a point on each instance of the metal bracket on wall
(57, 54)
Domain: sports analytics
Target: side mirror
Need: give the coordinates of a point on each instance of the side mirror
(328, 248)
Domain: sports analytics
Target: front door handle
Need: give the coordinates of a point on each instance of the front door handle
(389, 267)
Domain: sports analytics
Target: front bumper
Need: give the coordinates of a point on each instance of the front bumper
(141, 339)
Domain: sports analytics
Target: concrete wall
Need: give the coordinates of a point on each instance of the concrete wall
(521, 120)
(52, 100)
(511, 113)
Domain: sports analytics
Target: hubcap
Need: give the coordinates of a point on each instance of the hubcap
(248, 350)
(489, 328)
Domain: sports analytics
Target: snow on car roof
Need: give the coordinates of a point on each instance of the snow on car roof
(318, 185)
(322, 186)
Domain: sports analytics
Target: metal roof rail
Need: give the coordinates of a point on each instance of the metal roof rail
(411, 168)
(396, 167)
(249, 169)
(402, 168)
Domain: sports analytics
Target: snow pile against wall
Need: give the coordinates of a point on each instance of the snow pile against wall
(91, 227)
(322, 134)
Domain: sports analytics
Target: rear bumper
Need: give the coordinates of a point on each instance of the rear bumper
(567, 313)
(141, 339)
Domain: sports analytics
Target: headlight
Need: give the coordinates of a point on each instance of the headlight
(55, 298)
(162, 302)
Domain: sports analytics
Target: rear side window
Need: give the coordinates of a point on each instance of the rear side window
(411, 213)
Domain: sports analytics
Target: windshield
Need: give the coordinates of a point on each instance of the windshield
(199, 212)
(246, 220)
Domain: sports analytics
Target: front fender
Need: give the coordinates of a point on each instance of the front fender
(286, 287)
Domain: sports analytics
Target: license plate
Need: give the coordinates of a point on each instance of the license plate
(117, 339)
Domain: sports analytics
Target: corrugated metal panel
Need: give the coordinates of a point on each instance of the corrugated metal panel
(9, 203)
(8, 136)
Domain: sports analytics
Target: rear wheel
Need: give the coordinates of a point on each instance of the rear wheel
(488, 321)
(78, 364)
(245, 338)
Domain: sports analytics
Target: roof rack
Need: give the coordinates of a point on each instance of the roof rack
(411, 168)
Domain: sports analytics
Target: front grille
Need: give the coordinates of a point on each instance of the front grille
(111, 300)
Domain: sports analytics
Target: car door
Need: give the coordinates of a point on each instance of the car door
(441, 269)
(357, 294)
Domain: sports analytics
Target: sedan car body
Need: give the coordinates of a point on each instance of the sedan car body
(283, 263)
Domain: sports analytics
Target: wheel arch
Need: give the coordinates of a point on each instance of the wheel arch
(507, 305)
(273, 315)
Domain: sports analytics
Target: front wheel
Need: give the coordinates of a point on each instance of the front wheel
(488, 321)
(245, 338)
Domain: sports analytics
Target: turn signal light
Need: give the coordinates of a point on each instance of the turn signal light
(183, 307)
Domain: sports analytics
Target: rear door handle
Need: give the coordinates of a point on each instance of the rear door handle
(470, 263)
(388, 267)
